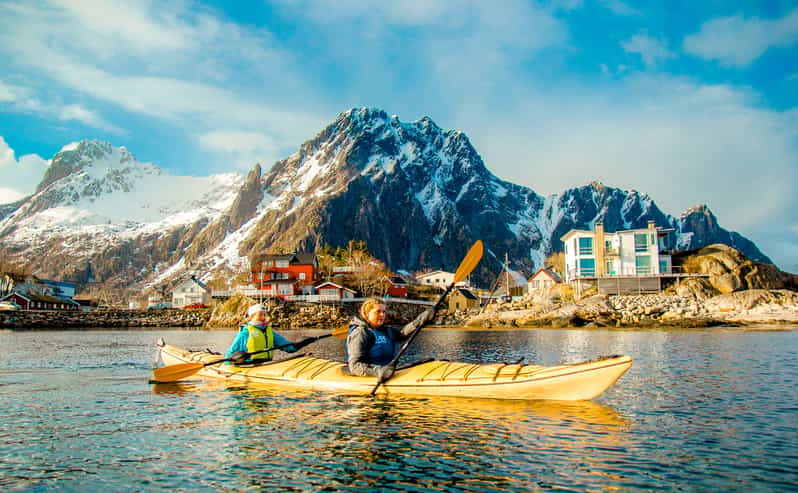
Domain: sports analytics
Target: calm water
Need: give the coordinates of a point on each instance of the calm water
(700, 410)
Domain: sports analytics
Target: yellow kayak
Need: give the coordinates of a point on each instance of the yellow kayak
(569, 382)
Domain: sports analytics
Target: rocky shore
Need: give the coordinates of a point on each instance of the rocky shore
(49, 320)
(755, 306)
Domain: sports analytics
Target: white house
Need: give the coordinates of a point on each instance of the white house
(332, 291)
(542, 280)
(439, 278)
(627, 253)
(189, 292)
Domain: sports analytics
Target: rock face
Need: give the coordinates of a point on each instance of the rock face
(417, 195)
(729, 271)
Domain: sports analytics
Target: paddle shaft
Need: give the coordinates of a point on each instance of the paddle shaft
(302, 343)
(412, 336)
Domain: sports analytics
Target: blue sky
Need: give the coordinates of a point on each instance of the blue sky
(690, 102)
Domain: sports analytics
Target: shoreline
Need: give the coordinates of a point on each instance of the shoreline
(743, 308)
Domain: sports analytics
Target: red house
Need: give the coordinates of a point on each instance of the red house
(396, 287)
(286, 274)
(33, 301)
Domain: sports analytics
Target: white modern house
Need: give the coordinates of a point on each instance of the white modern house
(622, 261)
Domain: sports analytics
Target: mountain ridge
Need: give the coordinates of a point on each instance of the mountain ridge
(417, 194)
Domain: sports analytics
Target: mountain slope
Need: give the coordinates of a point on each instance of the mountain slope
(417, 194)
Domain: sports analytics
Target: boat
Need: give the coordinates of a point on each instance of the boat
(568, 382)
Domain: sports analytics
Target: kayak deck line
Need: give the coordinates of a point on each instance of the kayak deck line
(575, 381)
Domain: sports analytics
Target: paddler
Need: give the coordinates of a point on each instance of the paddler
(370, 345)
(256, 335)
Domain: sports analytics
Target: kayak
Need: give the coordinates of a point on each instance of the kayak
(567, 382)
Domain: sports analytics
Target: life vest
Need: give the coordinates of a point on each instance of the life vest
(383, 344)
(259, 341)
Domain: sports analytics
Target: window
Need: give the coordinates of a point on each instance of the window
(610, 268)
(585, 246)
(643, 264)
(587, 266)
(302, 275)
(641, 242)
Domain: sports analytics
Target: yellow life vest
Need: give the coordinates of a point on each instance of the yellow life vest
(259, 341)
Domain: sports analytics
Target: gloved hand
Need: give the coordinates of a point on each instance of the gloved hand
(385, 372)
(239, 357)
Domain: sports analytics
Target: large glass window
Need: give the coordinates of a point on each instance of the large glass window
(643, 264)
(641, 242)
(585, 246)
(587, 267)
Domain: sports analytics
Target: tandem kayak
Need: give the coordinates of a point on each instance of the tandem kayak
(567, 382)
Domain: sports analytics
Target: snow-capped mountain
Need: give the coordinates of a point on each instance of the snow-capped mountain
(418, 195)
(97, 203)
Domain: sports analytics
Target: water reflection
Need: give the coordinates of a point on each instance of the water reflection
(435, 444)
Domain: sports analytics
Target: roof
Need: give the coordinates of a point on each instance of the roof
(328, 283)
(306, 258)
(550, 273)
(466, 293)
(433, 273)
(302, 258)
(40, 297)
(395, 280)
(586, 232)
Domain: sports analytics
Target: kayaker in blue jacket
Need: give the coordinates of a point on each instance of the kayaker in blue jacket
(370, 345)
(257, 335)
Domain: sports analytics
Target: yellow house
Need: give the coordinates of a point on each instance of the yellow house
(462, 299)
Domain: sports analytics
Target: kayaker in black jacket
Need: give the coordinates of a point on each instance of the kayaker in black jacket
(370, 345)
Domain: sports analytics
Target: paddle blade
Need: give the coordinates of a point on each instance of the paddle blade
(172, 373)
(470, 261)
(341, 332)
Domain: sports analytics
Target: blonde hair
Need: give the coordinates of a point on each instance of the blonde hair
(369, 305)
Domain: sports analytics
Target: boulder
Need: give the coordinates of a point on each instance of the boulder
(730, 271)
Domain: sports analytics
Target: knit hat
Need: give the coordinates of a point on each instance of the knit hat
(257, 307)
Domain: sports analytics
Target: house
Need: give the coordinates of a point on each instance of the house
(286, 274)
(462, 299)
(59, 289)
(542, 280)
(610, 257)
(35, 301)
(334, 291)
(437, 278)
(189, 292)
(396, 287)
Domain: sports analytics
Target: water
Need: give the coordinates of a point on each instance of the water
(700, 410)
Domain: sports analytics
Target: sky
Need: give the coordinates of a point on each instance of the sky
(689, 102)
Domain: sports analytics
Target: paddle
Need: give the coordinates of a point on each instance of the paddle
(180, 371)
(466, 266)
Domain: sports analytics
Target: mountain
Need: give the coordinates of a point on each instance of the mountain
(417, 194)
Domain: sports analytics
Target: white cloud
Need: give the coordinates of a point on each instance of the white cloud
(651, 50)
(680, 141)
(737, 41)
(184, 67)
(619, 7)
(19, 178)
(6, 93)
(243, 149)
